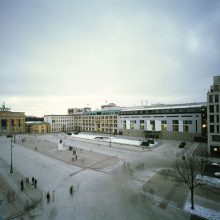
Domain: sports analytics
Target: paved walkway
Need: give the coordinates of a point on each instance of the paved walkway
(85, 158)
(16, 203)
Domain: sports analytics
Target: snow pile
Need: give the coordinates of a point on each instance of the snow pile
(212, 181)
(202, 211)
(108, 139)
(125, 141)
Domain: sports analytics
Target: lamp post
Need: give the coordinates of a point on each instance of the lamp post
(11, 170)
(110, 141)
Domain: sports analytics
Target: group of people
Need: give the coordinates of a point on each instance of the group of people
(27, 183)
(74, 157)
(49, 195)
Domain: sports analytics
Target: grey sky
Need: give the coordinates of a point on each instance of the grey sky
(70, 53)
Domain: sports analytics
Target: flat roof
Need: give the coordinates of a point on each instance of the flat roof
(59, 115)
(171, 106)
(36, 122)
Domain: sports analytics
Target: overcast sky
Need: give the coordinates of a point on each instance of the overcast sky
(57, 54)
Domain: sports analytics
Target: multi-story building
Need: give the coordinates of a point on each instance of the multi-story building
(11, 122)
(180, 122)
(213, 115)
(59, 123)
(104, 121)
(37, 127)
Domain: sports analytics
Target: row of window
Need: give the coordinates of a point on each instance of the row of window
(214, 128)
(214, 98)
(213, 108)
(162, 111)
(175, 125)
(214, 118)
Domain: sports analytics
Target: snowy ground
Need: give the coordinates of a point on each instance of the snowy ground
(212, 181)
(200, 209)
(112, 139)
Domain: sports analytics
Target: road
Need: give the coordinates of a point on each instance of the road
(114, 193)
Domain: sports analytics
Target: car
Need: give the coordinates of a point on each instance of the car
(182, 144)
(216, 164)
(69, 133)
(9, 135)
(217, 174)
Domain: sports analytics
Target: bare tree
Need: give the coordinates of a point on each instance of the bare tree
(190, 169)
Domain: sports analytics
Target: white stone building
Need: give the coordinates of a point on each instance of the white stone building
(60, 123)
(180, 122)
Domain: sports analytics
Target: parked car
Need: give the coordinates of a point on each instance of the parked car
(145, 143)
(217, 174)
(216, 164)
(9, 135)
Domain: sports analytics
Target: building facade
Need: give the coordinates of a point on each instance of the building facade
(37, 127)
(213, 115)
(11, 122)
(103, 121)
(60, 123)
(178, 122)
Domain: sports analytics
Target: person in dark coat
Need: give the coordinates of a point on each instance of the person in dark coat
(48, 197)
(22, 185)
(32, 180)
(35, 183)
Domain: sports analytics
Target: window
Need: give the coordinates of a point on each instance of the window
(217, 108)
(175, 125)
(210, 99)
(211, 127)
(132, 124)
(217, 118)
(186, 124)
(211, 118)
(152, 124)
(141, 124)
(211, 108)
(216, 98)
(217, 128)
(215, 137)
(164, 125)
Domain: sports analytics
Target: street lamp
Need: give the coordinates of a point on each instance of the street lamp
(11, 170)
(110, 142)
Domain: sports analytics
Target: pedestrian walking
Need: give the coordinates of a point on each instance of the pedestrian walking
(71, 190)
(22, 185)
(27, 181)
(32, 180)
(76, 156)
(48, 197)
(35, 183)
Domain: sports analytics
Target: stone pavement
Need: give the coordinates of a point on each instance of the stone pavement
(85, 158)
(16, 203)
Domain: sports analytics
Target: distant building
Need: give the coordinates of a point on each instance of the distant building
(11, 122)
(104, 121)
(110, 106)
(213, 115)
(37, 127)
(60, 123)
(178, 122)
(77, 111)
